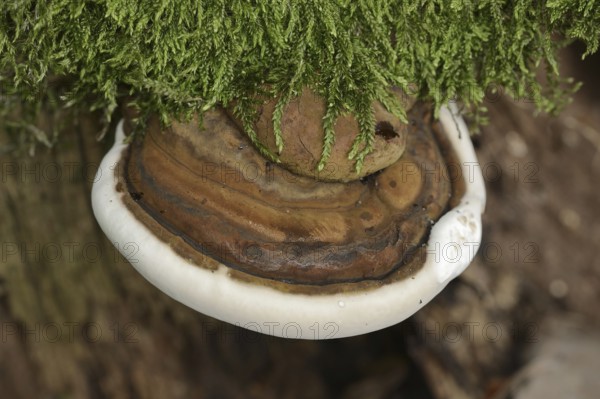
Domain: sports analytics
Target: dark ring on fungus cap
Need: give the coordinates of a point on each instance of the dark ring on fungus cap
(248, 242)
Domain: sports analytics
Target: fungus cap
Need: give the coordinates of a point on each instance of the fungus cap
(256, 304)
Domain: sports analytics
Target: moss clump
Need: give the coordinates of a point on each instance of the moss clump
(176, 57)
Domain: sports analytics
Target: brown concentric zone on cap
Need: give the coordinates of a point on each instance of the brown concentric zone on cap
(210, 196)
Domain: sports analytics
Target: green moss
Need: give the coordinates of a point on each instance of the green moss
(176, 57)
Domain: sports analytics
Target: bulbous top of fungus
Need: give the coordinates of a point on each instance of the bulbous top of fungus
(247, 241)
(303, 137)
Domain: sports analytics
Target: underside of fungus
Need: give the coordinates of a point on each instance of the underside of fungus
(250, 242)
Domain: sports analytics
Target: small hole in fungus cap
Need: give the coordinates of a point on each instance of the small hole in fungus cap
(385, 130)
(136, 196)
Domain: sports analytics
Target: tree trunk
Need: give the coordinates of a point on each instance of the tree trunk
(77, 321)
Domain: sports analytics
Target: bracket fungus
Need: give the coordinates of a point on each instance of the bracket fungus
(252, 243)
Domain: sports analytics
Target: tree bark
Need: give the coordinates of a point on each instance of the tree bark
(78, 321)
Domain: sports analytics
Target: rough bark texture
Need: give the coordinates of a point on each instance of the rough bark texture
(78, 322)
